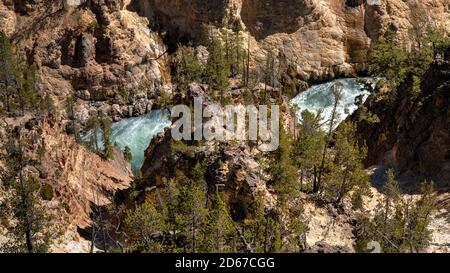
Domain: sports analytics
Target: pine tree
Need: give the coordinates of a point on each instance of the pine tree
(269, 70)
(237, 51)
(346, 169)
(419, 235)
(188, 68)
(127, 155)
(142, 225)
(191, 212)
(31, 229)
(17, 80)
(337, 94)
(70, 111)
(219, 233)
(297, 228)
(311, 139)
(283, 170)
(106, 130)
(389, 60)
(217, 69)
(26, 84)
(47, 105)
(41, 151)
(254, 226)
(93, 125)
(7, 73)
(400, 224)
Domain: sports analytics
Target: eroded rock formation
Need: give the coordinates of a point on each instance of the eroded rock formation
(104, 56)
(414, 135)
(322, 39)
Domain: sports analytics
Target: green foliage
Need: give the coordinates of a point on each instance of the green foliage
(283, 169)
(311, 139)
(127, 154)
(93, 124)
(47, 105)
(41, 151)
(217, 68)
(336, 90)
(346, 170)
(255, 226)
(235, 52)
(188, 68)
(389, 60)
(164, 100)
(143, 224)
(93, 26)
(219, 232)
(341, 164)
(183, 148)
(416, 89)
(100, 136)
(269, 71)
(297, 228)
(31, 229)
(78, 17)
(17, 81)
(46, 192)
(400, 224)
(106, 128)
(7, 73)
(191, 212)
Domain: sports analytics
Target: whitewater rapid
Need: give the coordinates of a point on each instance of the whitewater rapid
(137, 133)
(320, 97)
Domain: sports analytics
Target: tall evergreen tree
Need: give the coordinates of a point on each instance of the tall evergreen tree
(217, 70)
(31, 229)
(93, 124)
(143, 225)
(337, 95)
(400, 224)
(283, 170)
(219, 233)
(389, 60)
(346, 169)
(311, 139)
(188, 68)
(191, 212)
(106, 129)
(7, 73)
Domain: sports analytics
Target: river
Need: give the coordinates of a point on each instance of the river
(136, 133)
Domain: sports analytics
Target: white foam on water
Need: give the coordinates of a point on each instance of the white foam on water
(136, 133)
(320, 97)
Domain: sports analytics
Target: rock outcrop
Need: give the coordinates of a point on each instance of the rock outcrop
(414, 135)
(230, 168)
(321, 39)
(98, 52)
(77, 179)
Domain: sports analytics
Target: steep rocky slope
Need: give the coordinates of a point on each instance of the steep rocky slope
(322, 39)
(77, 177)
(111, 55)
(414, 133)
(94, 51)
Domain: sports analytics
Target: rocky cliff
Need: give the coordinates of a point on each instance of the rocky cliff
(98, 52)
(414, 133)
(77, 177)
(322, 39)
(112, 57)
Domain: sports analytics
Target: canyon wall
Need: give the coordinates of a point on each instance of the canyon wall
(322, 39)
(414, 133)
(104, 56)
